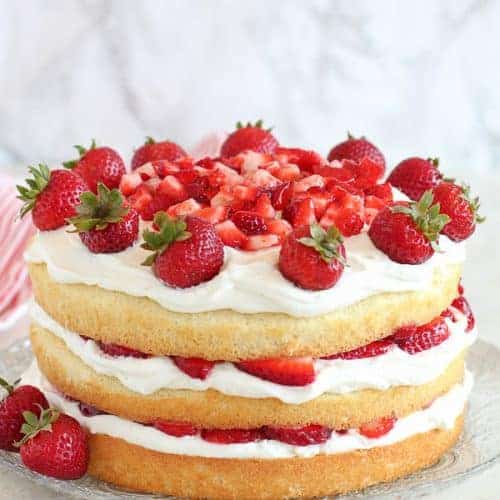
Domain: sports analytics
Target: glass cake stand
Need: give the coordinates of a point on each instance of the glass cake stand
(477, 449)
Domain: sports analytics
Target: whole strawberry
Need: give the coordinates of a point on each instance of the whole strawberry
(186, 252)
(408, 233)
(152, 151)
(105, 222)
(415, 175)
(357, 149)
(51, 196)
(18, 400)
(98, 164)
(249, 137)
(462, 210)
(312, 258)
(54, 444)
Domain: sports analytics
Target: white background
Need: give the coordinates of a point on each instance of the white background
(415, 77)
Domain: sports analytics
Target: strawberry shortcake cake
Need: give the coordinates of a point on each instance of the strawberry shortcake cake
(264, 323)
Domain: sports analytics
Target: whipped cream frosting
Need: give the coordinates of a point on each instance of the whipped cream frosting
(146, 376)
(441, 414)
(249, 282)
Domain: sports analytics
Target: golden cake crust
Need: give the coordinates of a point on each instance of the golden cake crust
(142, 324)
(135, 468)
(212, 409)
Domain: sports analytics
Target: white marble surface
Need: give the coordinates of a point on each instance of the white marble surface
(417, 77)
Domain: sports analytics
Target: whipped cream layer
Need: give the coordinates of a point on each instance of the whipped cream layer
(394, 368)
(440, 415)
(249, 282)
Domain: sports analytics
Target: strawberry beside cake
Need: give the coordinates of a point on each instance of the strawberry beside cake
(266, 323)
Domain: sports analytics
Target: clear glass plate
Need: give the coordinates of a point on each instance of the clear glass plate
(477, 449)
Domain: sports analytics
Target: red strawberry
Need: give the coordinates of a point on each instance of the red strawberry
(152, 151)
(230, 436)
(250, 223)
(298, 436)
(249, 137)
(366, 173)
(96, 165)
(408, 233)
(105, 223)
(18, 400)
(88, 410)
(312, 258)
(52, 196)
(284, 371)
(421, 338)
(300, 213)
(194, 367)
(177, 429)
(231, 235)
(357, 149)
(54, 445)
(378, 427)
(414, 176)
(348, 222)
(282, 195)
(214, 215)
(455, 201)
(367, 351)
(116, 350)
(462, 304)
(171, 187)
(305, 159)
(260, 241)
(382, 191)
(186, 252)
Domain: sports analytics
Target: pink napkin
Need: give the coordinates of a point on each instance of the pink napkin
(15, 288)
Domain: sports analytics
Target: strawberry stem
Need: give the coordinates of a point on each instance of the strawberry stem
(81, 151)
(8, 387)
(326, 243)
(41, 177)
(33, 425)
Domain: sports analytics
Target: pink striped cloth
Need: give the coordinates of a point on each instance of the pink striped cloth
(15, 288)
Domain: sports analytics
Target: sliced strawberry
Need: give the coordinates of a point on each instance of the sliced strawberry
(279, 227)
(376, 348)
(194, 367)
(177, 429)
(146, 171)
(201, 190)
(262, 178)
(367, 173)
(463, 306)
(186, 207)
(171, 186)
(249, 222)
(230, 436)
(373, 205)
(116, 350)
(223, 197)
(382, 191)
(417, 339)
(300, 213)
(284, 371)
(259, 242)
(282, 195)
(231, 235)
(298, 436)
(309, 182)
(213, 214)
(338, 174)
(264, 207)
(164, 168)
(245, 193)
(187, 176)
(223, 175)
(321, 199)
(288, 173)
(377, 428)
(141, 201)
(305, 159)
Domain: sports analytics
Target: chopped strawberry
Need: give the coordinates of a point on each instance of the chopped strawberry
(300, 213)
(201, 190)
(194, 367)
(371, 350)
(382, 191)
(287, 173)
(262, 178)
(377, 428)
(305, 159)
(230, 436)
(259, 242)
(309, 182)
(284, 371)
(213, 215)
(321, 199)
(338, 174)
(264, 207)
(171, 186)
(177, 429)
(223, 175)
(279, 227)
(129, 183)
(249, 222)
(187, 176)
(418, 339)
(298, 436)
(116, 350)
(373, 205)
(367, 173)
(463, 306)
(141, 200)
(245, 193)
(164, 168)
(347, 220)
(187, 207)
(231, 235)
(223, 197)
(282, 195)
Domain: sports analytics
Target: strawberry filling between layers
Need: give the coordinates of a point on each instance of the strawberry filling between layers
(267, 442)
